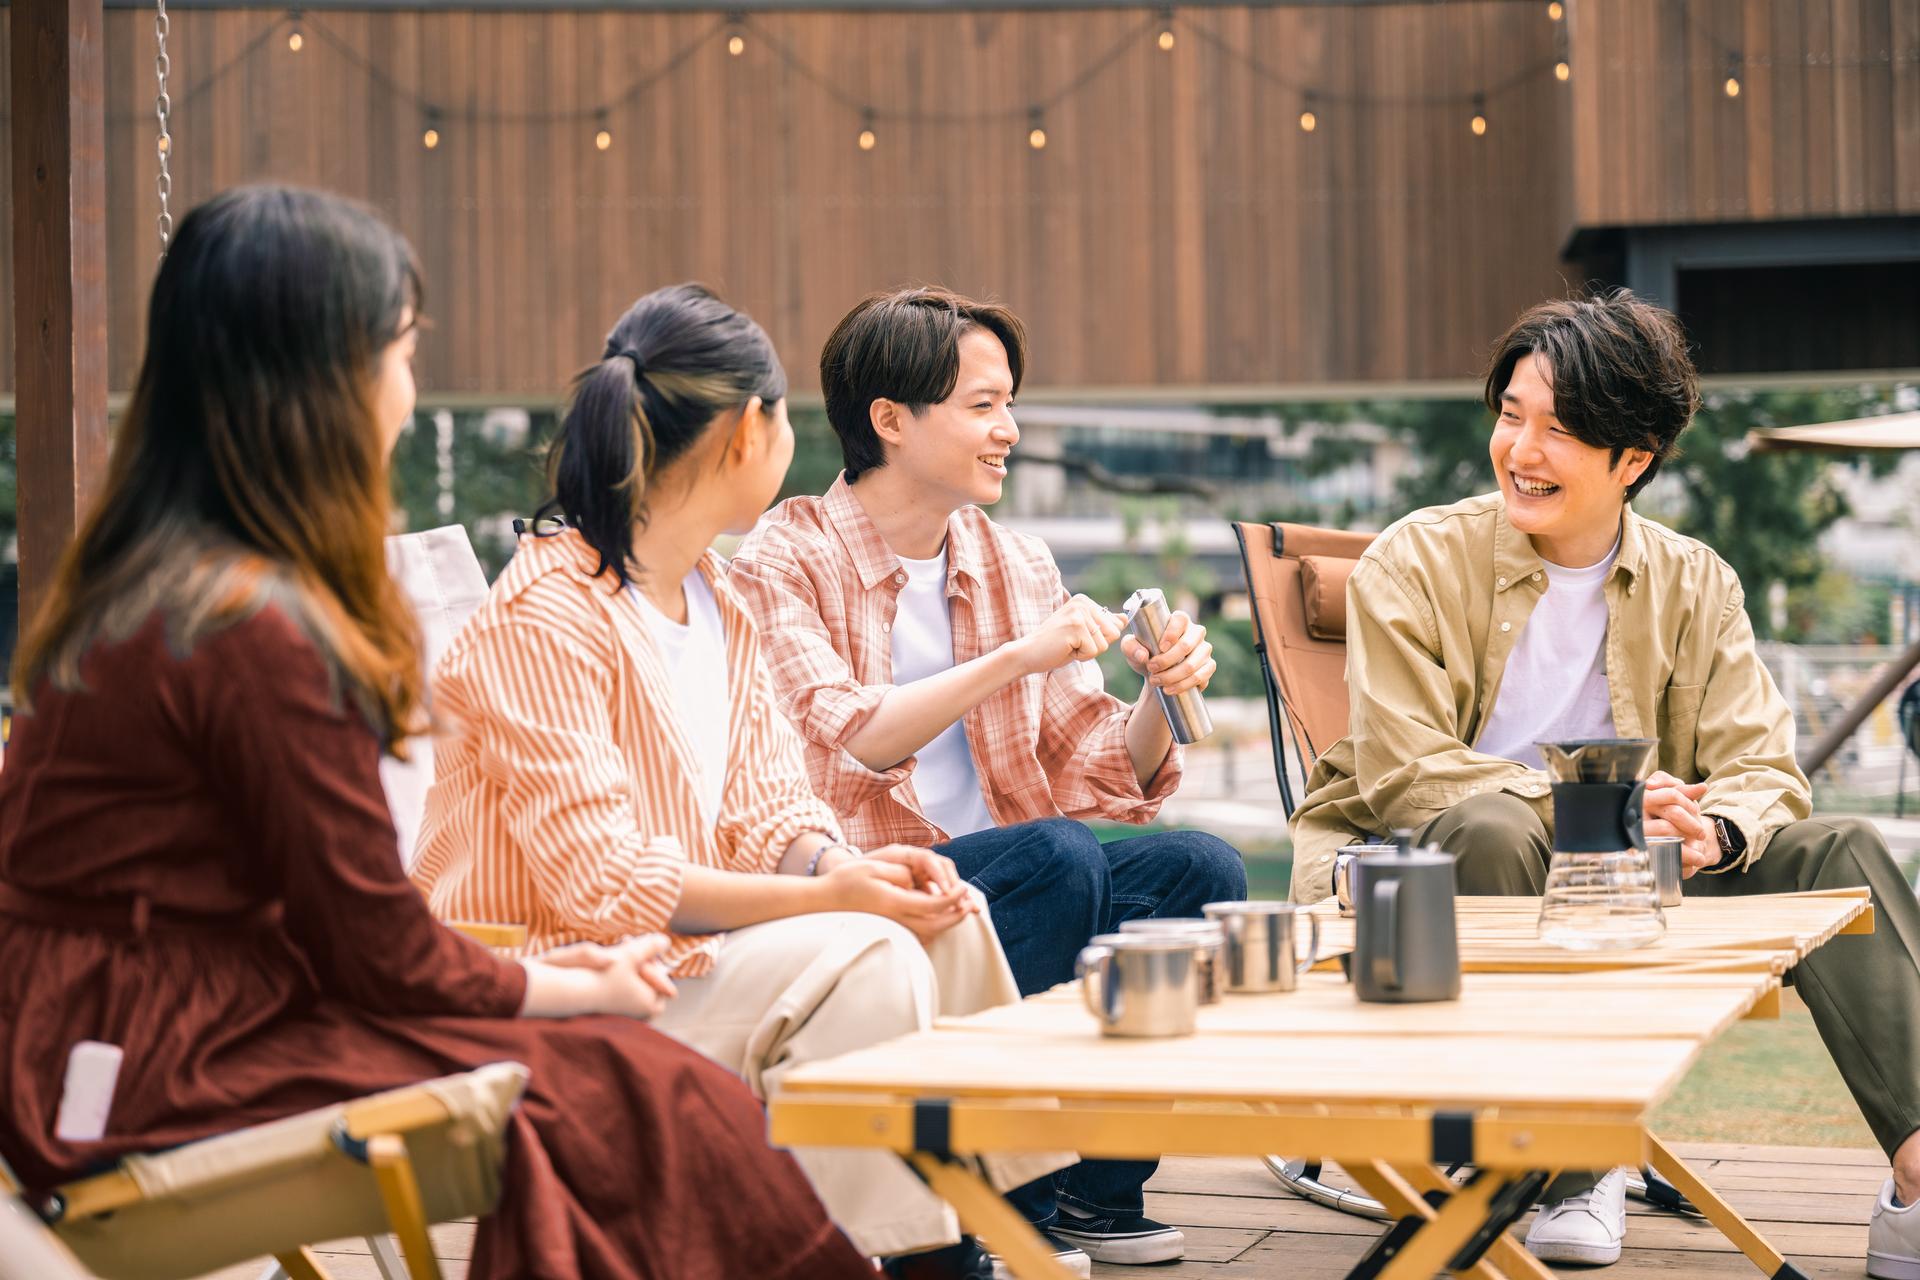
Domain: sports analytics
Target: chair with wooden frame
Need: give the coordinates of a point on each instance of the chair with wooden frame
(1297, 591)
(394, 1161)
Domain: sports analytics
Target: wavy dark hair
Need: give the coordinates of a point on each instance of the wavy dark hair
(1622, 378)
(677, 360)
(250, 467)
(903, 346)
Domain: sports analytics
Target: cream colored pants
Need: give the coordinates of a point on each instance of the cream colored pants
(812, 987)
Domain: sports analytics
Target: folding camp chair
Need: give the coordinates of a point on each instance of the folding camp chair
(1297, 584)
(394, 1161)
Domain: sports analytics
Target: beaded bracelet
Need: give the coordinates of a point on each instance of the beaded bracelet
(813, 863)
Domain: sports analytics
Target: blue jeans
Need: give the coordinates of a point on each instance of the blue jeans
(1052, 885)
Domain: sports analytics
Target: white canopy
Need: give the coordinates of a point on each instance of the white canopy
(1889, 431)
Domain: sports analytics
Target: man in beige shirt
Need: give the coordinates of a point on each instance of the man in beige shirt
(1550, 611)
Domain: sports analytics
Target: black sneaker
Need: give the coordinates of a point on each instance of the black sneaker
(1128, 1240)
(963, 1261)
(1067, 1255)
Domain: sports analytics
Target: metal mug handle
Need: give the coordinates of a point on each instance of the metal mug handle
(1094, 968)
(1313, 948)
(1386, 909)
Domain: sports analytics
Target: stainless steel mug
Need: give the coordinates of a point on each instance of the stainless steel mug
(1186, 713)
(1140, 984)
(1343, 870)
(1665, 854)
(1406, 945)
(1261, 939)
(1210, 965)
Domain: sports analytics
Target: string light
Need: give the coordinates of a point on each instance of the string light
(1036, 134)
(430, 137)
(1166, 30)
(1308, 121)
(1479, 122)
(1561, 71)
(736, 42)
(1556, 11)
(867, 139)
(1732, 86)
(295, 41)
(604, 138)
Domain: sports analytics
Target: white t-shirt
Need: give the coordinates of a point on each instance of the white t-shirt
(1555, 686)
(694, 653)
(944, 776)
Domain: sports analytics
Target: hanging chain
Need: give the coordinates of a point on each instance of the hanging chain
(162, 109)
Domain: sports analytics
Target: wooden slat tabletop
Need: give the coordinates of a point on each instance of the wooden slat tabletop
(1559, 1072)
(1504, 930)
(1598, 1005)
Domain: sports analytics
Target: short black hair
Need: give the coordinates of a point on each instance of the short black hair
(903, 346)
(1622, 378)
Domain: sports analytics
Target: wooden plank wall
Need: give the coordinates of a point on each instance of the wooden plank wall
(1827, 122)
(1179, 229)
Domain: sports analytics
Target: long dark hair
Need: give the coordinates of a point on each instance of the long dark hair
(674, 362)
(250, 466)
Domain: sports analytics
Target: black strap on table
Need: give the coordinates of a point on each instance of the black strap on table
(1452, 1137)
(1596, 817)
(1385, 1249)
(933, 1127)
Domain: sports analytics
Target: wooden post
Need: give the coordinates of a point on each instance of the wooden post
(60, 276)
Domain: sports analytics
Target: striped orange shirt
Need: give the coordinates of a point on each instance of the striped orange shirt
(824, 588)
(564, 790)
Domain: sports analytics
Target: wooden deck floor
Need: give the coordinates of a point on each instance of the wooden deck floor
(1240, 1225)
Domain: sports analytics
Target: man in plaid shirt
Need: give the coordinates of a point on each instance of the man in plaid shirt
(942, 679)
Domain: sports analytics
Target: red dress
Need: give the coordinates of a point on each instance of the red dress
(214, 786)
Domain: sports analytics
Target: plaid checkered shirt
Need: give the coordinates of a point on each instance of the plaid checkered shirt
(824, 587)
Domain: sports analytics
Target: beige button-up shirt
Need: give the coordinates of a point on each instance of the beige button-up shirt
(1434, 610)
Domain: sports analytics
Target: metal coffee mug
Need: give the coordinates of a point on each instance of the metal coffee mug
(1140, 984)
(1343, 870)
(1664, 853)
(1261, 939)
(1210, 965)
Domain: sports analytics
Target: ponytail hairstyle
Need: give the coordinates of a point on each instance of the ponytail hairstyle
(250, 468)
(676, 361)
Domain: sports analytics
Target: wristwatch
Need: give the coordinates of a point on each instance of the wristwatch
(1733, 843)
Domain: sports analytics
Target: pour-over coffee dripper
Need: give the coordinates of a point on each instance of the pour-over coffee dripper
(1601, 894)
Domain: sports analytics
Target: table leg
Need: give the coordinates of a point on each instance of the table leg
(1504, 1252)
(1423, 1239)
(1721, 1214)
(990, 1218)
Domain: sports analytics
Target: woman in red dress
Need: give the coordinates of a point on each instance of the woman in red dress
(196, 860)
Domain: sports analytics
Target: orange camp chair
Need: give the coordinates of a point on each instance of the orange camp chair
(1297, 581)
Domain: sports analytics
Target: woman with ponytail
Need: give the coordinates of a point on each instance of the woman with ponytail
(615, 764)
(196, 859)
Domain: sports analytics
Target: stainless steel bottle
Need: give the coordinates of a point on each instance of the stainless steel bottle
(1147, 615)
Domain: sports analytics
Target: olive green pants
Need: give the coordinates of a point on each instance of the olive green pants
(1863, 990)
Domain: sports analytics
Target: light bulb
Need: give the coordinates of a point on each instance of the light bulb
(736, 45)
(166, 144)
(867, 140)
(603, 140)
(1732, 86)
(1556, 11)
(295, 40)
(1166, 41)
(1561, 71)
(1037, 138)
(1308, 122)
(430, 139)
(1479, 126)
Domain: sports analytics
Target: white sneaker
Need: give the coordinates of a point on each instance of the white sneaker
(1586, 1228)
(1893, 1239)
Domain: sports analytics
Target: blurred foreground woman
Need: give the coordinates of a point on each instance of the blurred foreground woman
(196, 859)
